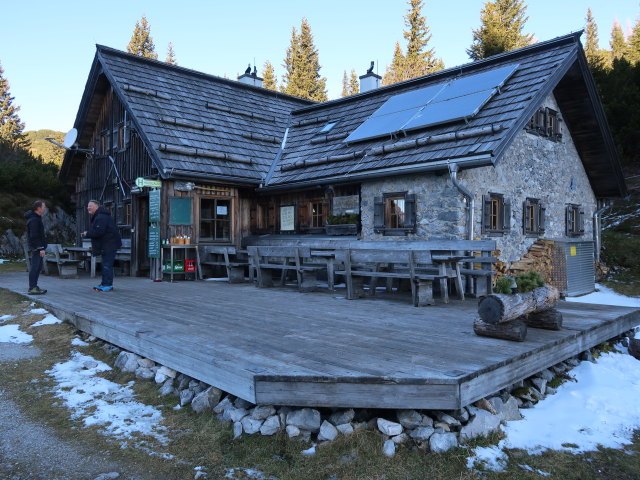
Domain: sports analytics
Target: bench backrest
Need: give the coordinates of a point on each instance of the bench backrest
(219, 249)
(447, 245)
(421, 257)
(270, 251)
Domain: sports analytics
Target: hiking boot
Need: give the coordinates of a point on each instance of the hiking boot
(103, 288)
(36, 291)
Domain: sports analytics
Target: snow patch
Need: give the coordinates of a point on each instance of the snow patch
(49, 319)
(12, 334)
(4, 318)
(78, 342)
(606, 296)
(38, 311)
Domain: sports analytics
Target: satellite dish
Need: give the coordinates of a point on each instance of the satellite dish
(70, 138)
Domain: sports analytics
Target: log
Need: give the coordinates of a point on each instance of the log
(499, 307)
(547, 319)
(515, 330)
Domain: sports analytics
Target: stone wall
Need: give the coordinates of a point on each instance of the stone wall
(533, 166)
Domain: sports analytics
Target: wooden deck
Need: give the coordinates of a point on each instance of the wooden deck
(279, 346)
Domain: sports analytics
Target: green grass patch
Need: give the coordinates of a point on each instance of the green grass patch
(12, 265)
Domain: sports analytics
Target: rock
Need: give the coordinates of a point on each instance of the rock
(201, 387)
(551, 391)
(442, 442)
(358, 426)
(480, 426)
(160, 377)
(167, 388)
(634, 347)
(345, 429)
(448, 419)
(262, 412)
(193, 384)
(146, 363)
(237, 429)
(400, 439)
(573, 361)
(169, 372)
(127, 361)
(527, 404)
(206, 400)
(271, 425)
(251, 425)
(292, 431)
(183, 381)
(587, 356)
(327, 432)
(305, 419)
(222, 405)
(389, 428)
(484, 404)
(443, 426)
(497, 404)
(546, 374)
(461, 415)
(389, 448)
(185, 397)
(426, 421)
(143, 372)
(409, 419)
(236, 414)
(540, 383)
(510, 410)
(342, 416)
(242, 403)
(106, 476)
(421, 433)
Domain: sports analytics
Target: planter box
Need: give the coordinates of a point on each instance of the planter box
(342, 229)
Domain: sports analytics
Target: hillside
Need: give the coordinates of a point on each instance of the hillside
(48, 151)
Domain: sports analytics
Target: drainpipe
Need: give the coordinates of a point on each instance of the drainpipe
(468, 196)
(596, 229)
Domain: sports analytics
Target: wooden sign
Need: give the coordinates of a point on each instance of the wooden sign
(153, 242)
(287, 218)
(346, 204)
(154, 206)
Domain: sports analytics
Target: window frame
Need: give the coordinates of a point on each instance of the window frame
(545, 122)
(383, 215)
(574, 220)
(533, 217)
(496, 214)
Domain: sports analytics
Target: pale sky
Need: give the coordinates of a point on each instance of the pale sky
(47, 47)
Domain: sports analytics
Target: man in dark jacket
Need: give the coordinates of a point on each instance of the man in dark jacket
(37, 242)
(105, 240)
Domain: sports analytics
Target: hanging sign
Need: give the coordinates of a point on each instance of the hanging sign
(154, 241)
(154, 206)
(146, 182)
(287, 218)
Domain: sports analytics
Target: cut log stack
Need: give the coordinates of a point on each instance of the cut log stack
(508, 316)
(538, 258)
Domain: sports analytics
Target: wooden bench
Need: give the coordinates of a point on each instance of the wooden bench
(265, 259)
(413, 265)
(123, 256)
(67, 268)
(233, 260)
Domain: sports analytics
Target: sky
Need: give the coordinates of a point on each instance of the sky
(47, 48)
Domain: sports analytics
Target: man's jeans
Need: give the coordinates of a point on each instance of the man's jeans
(107, 268)
(36, 267)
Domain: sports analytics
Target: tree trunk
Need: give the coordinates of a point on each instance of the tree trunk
(547, 319)
(515, 330)
(498, 307)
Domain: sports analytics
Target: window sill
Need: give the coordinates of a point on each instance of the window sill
(397, 232)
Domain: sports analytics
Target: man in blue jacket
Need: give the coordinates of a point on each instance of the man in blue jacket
(37, 242)
(105, 240)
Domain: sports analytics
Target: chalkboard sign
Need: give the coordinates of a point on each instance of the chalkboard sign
(179, 211)
(154, 206)
(154, 241)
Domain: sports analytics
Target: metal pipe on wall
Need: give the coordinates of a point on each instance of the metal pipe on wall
(453, 172)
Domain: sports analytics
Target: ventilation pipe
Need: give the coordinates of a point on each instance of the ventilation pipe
(251, 78)
(596, 228)
(369, 81)
(468, 196)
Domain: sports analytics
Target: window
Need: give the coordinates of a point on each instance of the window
(532, 217)
(546, 123)
(395, 213)
(104, 144)
(122, 137)
(327, 128)
(574, 220)
(318, 214)
(496, 214)
(215, 219)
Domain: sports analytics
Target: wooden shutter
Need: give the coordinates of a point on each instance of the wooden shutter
(567, 220)
(525, 217)
(378, 214)
(486, 213)
(410, 211)
(581, 221)
(541, 218)
(506, 216)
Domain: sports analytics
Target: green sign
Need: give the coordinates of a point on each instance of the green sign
(154, 206)
(147, 182)
(154, 241)
(179, 211)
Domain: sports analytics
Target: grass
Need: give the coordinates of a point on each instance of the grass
(201, 440)
(12, 265)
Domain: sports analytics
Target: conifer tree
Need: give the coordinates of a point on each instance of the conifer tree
(11, 127)
(420, 60)
(618, 43)
(395, 71)
(345, 85)
(500, 31)
(634, 44)
(171, 55)
(269, 80)
(141, 43)
(302, 67)
(591, 47)
(354, 83)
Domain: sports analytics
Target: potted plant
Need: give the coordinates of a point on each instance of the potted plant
(342, 224)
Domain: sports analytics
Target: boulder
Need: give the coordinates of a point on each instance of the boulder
(305, 419)
(185, 397)
(167, 388)
(389, 448)
(400, 439)
(251, 425)
(327, 432)
(448, 419)
(271, 425)
(409, 418)
(540, 384)
(546, 374)
(222, 405)
(345, 429)
(342, 416)
(481, 425)
(237, 430)
(169, 372)
(160, 377)
(442, 442)
(236, 414)
(127, 361)
(421, 433)
(292, 431)
(510, 410)
(206, 400)
(146, 363)
(262, 412)
(242, 403)
(143, 372)
(389, 428)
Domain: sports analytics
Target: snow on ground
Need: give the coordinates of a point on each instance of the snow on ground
(98, 401)
(12, 334)
(4, 318)
(248, 473)
(2, 261)
(38, 311)
(78, 342)
(600, 408)
(49, 319)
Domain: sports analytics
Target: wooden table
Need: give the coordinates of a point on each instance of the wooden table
(84, 254)
(449, 265)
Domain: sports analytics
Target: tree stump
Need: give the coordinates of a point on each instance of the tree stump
(547, 319)
(499, 307)
(515, 330)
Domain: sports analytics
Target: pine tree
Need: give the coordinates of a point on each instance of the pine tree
(141, 43)
(302, 67)
(500, 31)
(354, 83)
(591, 48)
(618, 43)
(420, 60)
(634, 44)
(11, 127)
(395, 71)
(269, 80)
(171, 55)
(345, 86)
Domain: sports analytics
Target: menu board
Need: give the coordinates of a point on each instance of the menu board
(346, 204)
(154, 241)
(287, 218)
(154, 205)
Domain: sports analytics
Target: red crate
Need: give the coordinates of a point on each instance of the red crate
(189, 265)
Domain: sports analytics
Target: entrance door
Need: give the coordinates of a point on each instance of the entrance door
(141, 263)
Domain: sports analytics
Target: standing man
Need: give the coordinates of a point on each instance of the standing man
(37, 242)
(105, 240)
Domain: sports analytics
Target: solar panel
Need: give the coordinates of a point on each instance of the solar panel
(444, 102)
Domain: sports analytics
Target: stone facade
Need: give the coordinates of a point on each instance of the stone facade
(532, 167)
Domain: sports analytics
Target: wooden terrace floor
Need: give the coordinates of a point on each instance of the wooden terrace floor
(279, 346)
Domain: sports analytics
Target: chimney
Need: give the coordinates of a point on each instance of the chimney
(369, 81)
(251, 78)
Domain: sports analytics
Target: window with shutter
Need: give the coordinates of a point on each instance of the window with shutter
(574, 220)
(532, 217)
(496, 214)
(378, 215)
(410, 211)
(395, 213)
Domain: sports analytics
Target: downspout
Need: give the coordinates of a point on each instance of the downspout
(596, 229)
(468, 196)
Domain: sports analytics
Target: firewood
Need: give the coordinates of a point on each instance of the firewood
(548, 320)
(499, 307)
(515, 330)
